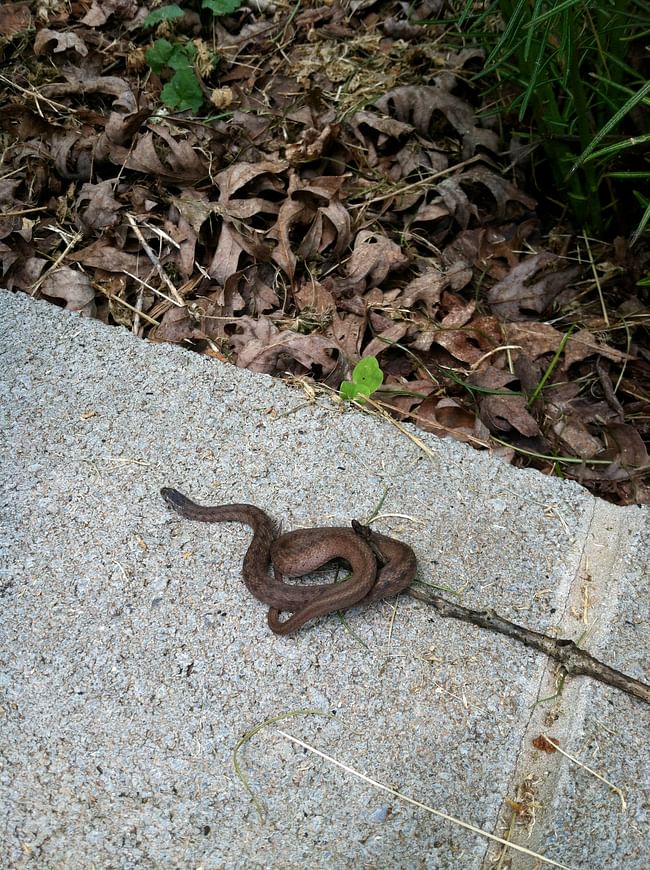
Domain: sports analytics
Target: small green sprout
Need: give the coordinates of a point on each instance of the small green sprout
(366, 378)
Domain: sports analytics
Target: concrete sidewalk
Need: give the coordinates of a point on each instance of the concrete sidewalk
(134, 660)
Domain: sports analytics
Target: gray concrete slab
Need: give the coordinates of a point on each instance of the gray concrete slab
(134, 660)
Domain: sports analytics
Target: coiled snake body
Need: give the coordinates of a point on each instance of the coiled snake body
(381, 566)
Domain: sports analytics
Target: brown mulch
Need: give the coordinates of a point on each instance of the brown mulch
(341, 195)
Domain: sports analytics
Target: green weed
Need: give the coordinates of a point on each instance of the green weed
(183, 90)
(366, 378)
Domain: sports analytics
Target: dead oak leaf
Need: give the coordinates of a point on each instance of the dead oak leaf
(8, 256)
(447, 418)
(249, 189)
(538, 339)
(625, 446)
(491, 378)
(81, 81)
(158, 153)
(246, 191)
(194, 207)
(15, 18)
(73, 287)
(235, 238)
(318, 309)
(464, 196)
(427, 288)
(374, 132)
(385, 339)
(531, 287)
(52, 40)
(99, 13)
(25, 271)
(314, 297)
(402, 396)
(311, 144)
(120, 129)
(505, 413)
(97, 207)
(100, 254)
(469, 343)
(262, 347)
(373, 257)
(312, 211)
(571, 431)
(492, 249)
(583, 343)
(420, 105)
(198, 322)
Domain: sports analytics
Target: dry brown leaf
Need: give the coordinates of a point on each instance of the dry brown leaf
(348, 331)
(385, 339)
(23, 123)
(468, 344)
(311, 145)
(97, 207)
(233, 241)
(427, 288)
(182, 163)
(312, 296)
(72, 286)
(401, 395)
(491, 378)
(194, 207)
(625, 446)
(313, 213)
(242, 187)
(198, 322)
(420, 104)
(8, 256)
(572, 432)
(374, 132)
(119, 130)
(537, 339)
(531, 287)
(372, 258)
(55, 41)
(494, 250)
(100, 254)
(100, 12)
(26, 272)
(446, 417)
(80, 80)
(459, 313)
(504, 196)
(241, 198)
(15, 18)
(387, 127)
(262, 347)
(583, 343)
(504, 413)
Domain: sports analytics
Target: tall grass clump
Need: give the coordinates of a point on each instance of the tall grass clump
(572, 76)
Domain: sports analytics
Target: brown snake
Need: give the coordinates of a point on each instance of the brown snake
(381, 566)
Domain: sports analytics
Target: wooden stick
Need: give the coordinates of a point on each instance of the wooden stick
(573, 660)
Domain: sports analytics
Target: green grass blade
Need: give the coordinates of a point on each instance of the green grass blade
(612, 123)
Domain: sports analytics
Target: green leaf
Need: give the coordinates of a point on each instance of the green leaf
(165, 13)
(158, 56)
(221, 7)
(183, 91)
(182, 56)
(366, 378)
(177, 56)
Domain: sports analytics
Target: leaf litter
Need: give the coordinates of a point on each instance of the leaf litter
(342, 195)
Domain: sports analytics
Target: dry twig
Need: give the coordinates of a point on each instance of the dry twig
(574, 661)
